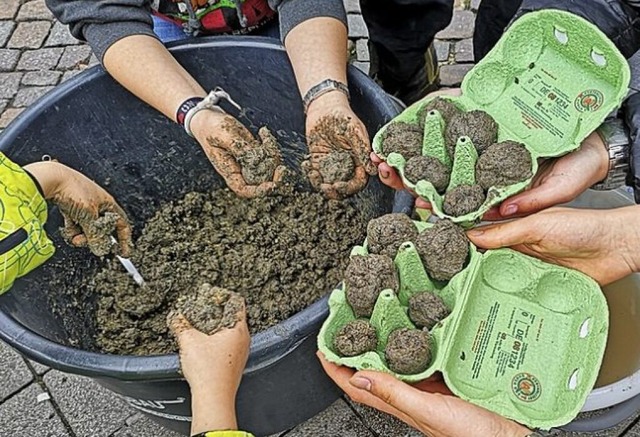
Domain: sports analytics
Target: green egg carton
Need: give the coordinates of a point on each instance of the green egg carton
(524, 339)
(549, 82)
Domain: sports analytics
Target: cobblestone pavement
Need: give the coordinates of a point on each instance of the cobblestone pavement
(36, 54)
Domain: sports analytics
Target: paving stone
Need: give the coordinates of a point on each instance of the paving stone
(43, 59)
(24, 416)
(8, 59)
(613, 432)
(74, 394)
(139, 425)
(461, 26)
(9, 9)
(8, 116)
(60, 36)
(27, 95)
(74, 56)
(442, 50)
(475, 4)
(362, 50)
(3, 104)
(357, 27)
(464, 50)
(384, 424)
(41, 78)
(14, 373)
(352, 6)
(40, 369)
(69, 74)
(362, 66)
(337, 420)
(9, 84)
(29, 35)
(93, 61)
(34, 10)
(452, 75)
(6, 27)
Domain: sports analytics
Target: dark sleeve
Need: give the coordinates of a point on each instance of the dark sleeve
(294, 12)
(104, 22)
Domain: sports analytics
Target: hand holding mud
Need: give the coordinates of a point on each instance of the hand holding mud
(91, 215)
(250, 167)
(339, 148)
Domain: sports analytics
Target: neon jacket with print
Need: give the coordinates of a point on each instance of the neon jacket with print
(24, 245)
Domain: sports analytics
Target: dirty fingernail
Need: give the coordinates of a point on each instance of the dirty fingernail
(360, 382)
(384, 174)
(510, 210)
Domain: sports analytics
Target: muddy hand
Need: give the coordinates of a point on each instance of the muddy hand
(332, 129)
(226, 142)
(91, 215)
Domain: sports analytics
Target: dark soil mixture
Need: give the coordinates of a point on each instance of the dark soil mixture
(477, 125)
(100, 229)
(337, 167)
(503, 164)
(427, 168)
(385, 234)
(403, 138)
(408, 351)
(365, 278)
(446, 109)
(210, 309)
(355, 338)
(443, 249)
(463, 200)
(280, 252)
(427, 309)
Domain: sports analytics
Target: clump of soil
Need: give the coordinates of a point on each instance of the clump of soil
(337, 166)
(210, 309)
(463, 200)
(443, 249)
(365, 278)
(427, 168)
(503, 164)
(403, 138)
(426, 309)
(355, 338)
(102, 229)
(408, 351)
(446, 109)
(258, 161)
(479, 126)
(280, 252)
(385, 234)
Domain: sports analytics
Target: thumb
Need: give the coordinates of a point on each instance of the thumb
(388, 389)
(501, 235)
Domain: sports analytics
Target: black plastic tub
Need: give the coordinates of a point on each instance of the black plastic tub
(143, 159)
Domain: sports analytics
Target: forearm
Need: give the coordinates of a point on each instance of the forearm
(144, 66)
(212, 411)
(49, 175)
(317, 49)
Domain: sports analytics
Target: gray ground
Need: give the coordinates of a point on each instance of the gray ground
(37, 53)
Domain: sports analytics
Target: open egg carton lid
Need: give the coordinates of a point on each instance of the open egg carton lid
(549, 82)
(524, 338)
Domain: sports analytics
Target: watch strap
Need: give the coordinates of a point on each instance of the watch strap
(323, 88)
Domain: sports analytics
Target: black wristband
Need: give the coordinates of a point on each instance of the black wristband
(185, 107)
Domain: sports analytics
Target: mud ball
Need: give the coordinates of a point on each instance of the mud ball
(385, 234)
(258, 165)
(365, 278)
(427, 168)
(426, 309)
(355, 338)
(463, 200)
(408, 351)
(443, 249)
(446, 109)
(337, 167)
(403, 138)
(503, 164)
(479, 126)
(210, 309)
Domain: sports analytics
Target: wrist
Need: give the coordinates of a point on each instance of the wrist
(50, 175)
(204, 122)
(598, 148)
(326, 102)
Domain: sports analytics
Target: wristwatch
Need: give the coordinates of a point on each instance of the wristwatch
(615, 136)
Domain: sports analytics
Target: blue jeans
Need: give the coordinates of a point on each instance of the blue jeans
(168, 31)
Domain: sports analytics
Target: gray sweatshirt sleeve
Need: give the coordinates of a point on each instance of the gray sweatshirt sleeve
(294, 12)
(103, 22)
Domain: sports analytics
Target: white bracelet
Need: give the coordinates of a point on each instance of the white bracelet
(210, 102)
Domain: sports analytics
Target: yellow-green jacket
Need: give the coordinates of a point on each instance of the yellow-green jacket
(24, 245)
